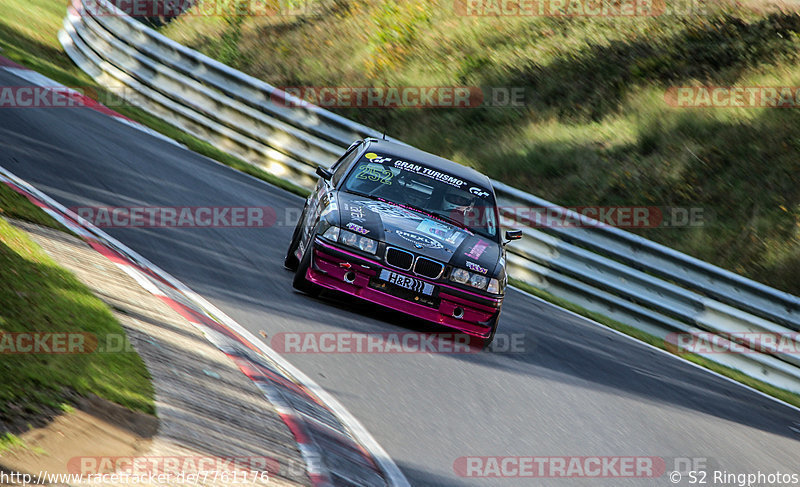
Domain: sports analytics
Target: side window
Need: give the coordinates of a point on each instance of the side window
(341, 167)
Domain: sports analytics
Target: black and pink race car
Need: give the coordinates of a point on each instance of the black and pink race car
(408, 230)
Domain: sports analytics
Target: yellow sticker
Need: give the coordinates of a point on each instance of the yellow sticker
(370, 155)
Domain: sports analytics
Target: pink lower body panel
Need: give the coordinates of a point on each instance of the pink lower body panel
(328, 270)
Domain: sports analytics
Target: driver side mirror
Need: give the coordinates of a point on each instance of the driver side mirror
(513, 235)
(324, 173)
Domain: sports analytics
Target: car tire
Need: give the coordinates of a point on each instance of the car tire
(300, 282)
(290, 261)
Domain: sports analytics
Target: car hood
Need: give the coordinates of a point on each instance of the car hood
(417, 232)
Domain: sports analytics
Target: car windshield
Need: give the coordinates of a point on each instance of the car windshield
(451, 198)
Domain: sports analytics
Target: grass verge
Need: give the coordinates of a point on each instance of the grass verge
(640, 335)
(14, 205)
(38, 296)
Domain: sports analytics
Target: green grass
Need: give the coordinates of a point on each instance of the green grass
(640, 335)
(39, 296)
(595, 128)
(10, 442)
(66, 408)
(14, 205)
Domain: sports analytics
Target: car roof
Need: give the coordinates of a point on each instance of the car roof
(412, 154)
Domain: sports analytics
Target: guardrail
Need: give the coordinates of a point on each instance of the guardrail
(633, 280)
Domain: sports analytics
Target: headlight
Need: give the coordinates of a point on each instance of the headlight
(463, 276)
(459, 275)
(478, 281)
(494, 286)
(365, 244)
(348, 238)
(332, 233)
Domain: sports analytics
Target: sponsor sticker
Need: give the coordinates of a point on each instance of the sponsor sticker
(375, 172)
(431, 173)
(419, 240)
(357, 213)
(406, 282)
(373, 157)
(477, 250)
(479, 192)
(432, 227)
(388, 209)
(357, 228)
(475, 267)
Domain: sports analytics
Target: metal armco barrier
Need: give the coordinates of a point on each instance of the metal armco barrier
(631, 279)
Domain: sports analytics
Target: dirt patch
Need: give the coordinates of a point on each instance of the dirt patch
(95, 428)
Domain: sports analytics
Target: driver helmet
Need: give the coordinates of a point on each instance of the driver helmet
(455, 199)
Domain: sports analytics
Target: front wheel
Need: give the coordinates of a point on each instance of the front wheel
(290, 261)
(300, 282)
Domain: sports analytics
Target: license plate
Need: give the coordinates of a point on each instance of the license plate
(406, 282)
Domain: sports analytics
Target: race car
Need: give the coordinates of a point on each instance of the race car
(407, 230)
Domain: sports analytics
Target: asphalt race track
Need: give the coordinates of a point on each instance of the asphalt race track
(576, 388)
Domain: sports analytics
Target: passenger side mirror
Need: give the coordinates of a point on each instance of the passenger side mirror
(513, 235)
(324, 173)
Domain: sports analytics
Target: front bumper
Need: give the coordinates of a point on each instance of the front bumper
(330, 264)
